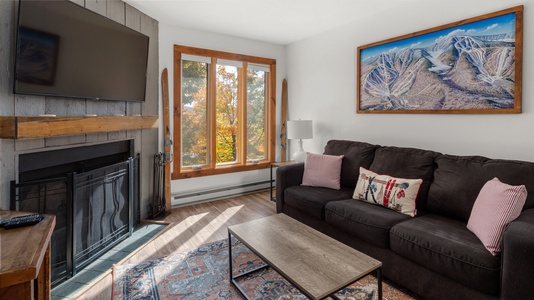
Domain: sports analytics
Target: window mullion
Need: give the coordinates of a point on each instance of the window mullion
(177, 121)
(242, 114)
(271, 113)
(212, 112)
(266, 106)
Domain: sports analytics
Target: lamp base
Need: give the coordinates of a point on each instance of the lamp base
(300, 154)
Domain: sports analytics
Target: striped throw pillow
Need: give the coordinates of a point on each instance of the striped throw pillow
(497, 205)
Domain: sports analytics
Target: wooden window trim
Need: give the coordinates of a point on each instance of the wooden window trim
(241, 165)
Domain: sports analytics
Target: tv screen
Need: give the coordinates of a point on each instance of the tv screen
(65, 50)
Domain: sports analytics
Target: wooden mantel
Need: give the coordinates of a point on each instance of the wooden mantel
(45, 126)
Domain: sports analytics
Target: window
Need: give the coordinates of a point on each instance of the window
(224, 112)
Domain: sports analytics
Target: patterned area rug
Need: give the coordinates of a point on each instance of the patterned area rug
(202, 273)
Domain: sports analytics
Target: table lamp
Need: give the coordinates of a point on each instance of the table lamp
(299, 130)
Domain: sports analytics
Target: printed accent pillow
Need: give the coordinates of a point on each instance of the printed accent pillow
(398, 194)
(497, 205)
(322, 170)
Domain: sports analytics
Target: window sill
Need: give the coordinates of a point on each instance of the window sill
(220, 170)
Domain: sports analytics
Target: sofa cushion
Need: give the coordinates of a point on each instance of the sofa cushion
(311, 200)
(447, 247)
(407, 163)
(322, 170)
(497, 205)
(398, 194)
(370, 223)
(459, 179)
(356, 155)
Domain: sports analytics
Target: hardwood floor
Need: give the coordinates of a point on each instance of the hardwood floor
(191, 227)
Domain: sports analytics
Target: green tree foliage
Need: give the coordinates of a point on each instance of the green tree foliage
(194, 108)
(256, 86)
(226, 103)
(194, 79)
(194, 114)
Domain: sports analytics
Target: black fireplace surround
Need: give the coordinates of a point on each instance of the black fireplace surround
(92, 190)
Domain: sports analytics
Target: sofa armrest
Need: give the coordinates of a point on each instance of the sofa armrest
(287, 176)
(518, 258)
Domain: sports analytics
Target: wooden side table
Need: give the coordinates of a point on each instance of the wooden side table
(276, 165)
(25, 259)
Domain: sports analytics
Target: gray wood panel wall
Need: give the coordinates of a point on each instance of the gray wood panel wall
(146, 141)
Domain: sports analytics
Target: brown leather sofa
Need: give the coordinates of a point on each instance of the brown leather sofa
(433, 255)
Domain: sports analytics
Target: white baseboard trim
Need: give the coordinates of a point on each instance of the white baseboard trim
(217, 194)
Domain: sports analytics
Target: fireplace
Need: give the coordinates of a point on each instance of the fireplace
(92, 190)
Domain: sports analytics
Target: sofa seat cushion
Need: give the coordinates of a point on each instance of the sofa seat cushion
(368, 222)
(447, 247)
(311, 200)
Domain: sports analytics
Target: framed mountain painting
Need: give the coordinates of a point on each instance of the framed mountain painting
(470, 66)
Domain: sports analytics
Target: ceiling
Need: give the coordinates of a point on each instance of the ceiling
(274, 21)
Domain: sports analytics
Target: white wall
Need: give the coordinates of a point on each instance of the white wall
(172, 35)
(321, 74)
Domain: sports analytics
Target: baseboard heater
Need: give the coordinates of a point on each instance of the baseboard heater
(215, 194)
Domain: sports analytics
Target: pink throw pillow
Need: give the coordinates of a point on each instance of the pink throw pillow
(497, 205)
(322, 170)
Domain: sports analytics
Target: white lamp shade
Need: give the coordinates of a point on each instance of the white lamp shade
(299, 129)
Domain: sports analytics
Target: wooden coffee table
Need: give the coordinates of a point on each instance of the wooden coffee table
(318, 265)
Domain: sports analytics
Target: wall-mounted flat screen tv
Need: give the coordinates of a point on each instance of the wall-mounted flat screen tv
(65, 50)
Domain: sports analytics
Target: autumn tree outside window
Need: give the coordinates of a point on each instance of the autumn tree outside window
(224, 112)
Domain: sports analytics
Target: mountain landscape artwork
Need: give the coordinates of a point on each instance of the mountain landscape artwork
(471, 67)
